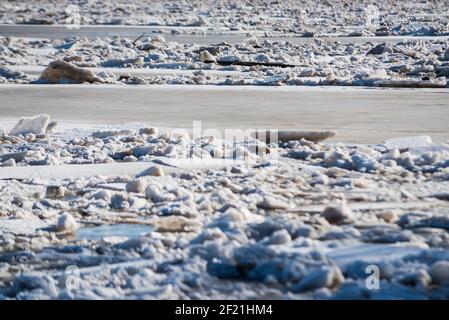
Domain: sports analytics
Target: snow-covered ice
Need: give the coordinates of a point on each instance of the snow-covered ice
(145, 211)
(36, 125)
(304, 224)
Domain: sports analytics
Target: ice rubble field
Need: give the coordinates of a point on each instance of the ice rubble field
(284, 220)
(320, 17)
(255, 61)
(285, 43)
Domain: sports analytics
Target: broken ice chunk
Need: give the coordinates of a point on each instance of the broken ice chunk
(66, 223)
(63, 72)
(294, 135)
(439, 271)
(408, 142)
(16, 156)
(36, 125)
(207, 57)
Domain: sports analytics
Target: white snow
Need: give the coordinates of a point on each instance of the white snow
(146, 212)
(408, 142)
(36, 125)
(21, 226)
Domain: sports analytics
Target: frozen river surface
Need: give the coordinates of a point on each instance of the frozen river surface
(203, 35)
(357, 114)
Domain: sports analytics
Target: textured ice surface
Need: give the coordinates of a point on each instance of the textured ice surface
(304, 224)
